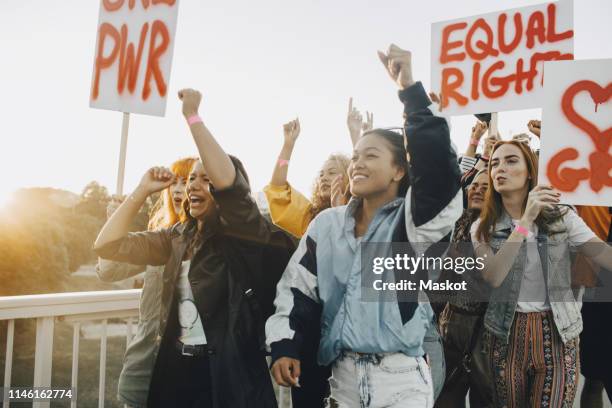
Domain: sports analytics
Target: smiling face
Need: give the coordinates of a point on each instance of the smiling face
(477, 190)
(177, 193)
(328, 173)
(509, 170)
(373, 170)
(198, 192)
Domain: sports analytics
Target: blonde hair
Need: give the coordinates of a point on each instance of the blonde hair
(320, 203)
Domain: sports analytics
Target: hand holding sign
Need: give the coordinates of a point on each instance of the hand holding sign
(398, 63)
(191, 101)
(539, 198)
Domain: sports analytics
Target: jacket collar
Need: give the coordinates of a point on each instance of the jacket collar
(351, 210)
(503, 223)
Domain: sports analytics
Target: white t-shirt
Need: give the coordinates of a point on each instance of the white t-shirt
(532, 295)
(192, 331)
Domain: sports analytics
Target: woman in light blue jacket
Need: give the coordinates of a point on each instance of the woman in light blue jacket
(373, 339)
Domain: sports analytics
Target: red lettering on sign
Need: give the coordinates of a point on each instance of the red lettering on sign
(552, 36)
(449, 89)
(105, 31)
(600, 95)
(475, 79)
(129, 59)
(155, 52)
(481, 42)
(129, 64)
(447, 46)
(501, 33)
(501, 83)
(114, 5)
(600, 161)
(542, 57)
(565, 179)
(536, 28)
(486, 47)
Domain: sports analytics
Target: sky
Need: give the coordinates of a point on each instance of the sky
(257, 64)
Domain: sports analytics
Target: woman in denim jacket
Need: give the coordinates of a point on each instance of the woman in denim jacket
(533, 318)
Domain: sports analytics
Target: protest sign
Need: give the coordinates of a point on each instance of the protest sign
(575, 156)
(133, 55)
(493, 62)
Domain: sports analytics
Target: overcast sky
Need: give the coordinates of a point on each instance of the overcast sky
(258, 65)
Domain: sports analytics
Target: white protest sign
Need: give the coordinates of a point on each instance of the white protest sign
(133, 55)
(575, 155)
(493, 62)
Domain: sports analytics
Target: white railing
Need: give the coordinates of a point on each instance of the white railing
(74, 308)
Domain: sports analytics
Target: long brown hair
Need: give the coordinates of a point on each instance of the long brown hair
(493, 207)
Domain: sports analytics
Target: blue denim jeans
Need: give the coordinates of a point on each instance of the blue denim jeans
(385, 380)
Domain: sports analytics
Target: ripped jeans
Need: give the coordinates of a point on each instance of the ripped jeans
(385, 380)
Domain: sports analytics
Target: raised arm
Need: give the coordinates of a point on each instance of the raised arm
(117, 226)
(143, 248)
(291, 131)
(478, 130)
(217, 163)
(434, 173)
(355, 123)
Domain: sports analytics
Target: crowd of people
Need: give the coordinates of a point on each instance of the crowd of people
(234, 299)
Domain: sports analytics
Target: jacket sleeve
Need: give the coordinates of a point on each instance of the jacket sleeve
(140, 248)
(298, 308)
(434, 199)
(241, 217)
(289, 209)
(111, 271)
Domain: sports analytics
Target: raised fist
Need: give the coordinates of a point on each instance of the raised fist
(398, 63)
(191, 101)
(291, 131)
(156, 179)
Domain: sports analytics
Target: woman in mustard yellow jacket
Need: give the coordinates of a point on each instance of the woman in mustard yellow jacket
(290, 209)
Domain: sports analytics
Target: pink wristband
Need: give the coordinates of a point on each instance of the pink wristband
(283, 162)
(474, 142)
(522, 230)
(194, 119)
